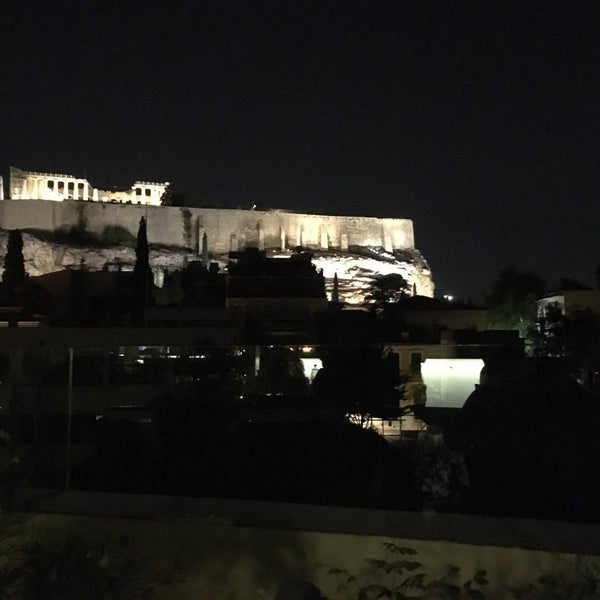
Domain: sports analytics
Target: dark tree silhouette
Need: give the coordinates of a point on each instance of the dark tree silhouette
(362, 381)
(335, 294)
(204, 249)
(549, 337)
(512, 301)
(172, 197)
(142, 275)
(14, 266)
(575, 338)
(386, 289)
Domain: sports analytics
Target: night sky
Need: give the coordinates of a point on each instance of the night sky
(479, 121)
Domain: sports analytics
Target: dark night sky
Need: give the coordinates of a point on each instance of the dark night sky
(478, 121)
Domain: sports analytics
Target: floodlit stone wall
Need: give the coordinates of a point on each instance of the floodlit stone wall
(225, 229)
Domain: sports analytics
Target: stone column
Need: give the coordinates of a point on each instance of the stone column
(261, 236)
(85, 190)
(299, 236)
(95, 194)
(282, 238)
(387, 241)
(344, 242)
(200, 236)
(233, 243)
(324, 242)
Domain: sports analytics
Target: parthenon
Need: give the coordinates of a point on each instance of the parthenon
(31, 185)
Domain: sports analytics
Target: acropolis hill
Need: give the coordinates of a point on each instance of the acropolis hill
(66, 222)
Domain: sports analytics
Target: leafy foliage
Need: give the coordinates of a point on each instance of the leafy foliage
(362, 381)
(441, 473)
(400, 579)
(512, 301)
(408, 580)
(172, 197)
(387, 289)
(74, 567)
(549, 337)
(575, 338)
(281, 373)
(586, 587)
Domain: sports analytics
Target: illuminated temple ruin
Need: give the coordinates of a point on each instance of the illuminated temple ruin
(31, 185)
(46, 206)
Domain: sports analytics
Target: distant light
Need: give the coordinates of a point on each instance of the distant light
(448, 297)
(307, 349)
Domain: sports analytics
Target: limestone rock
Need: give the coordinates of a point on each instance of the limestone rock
(355, 268)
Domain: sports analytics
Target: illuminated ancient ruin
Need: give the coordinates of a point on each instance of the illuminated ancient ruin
(30, 185)
(47, 206)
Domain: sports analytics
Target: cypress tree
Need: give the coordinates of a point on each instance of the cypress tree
(14, 266)
(204, 249)
(142, 275)
(335, 294)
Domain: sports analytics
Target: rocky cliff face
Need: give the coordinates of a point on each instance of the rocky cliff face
(355, 269)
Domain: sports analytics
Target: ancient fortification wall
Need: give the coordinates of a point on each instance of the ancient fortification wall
(225, 229)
